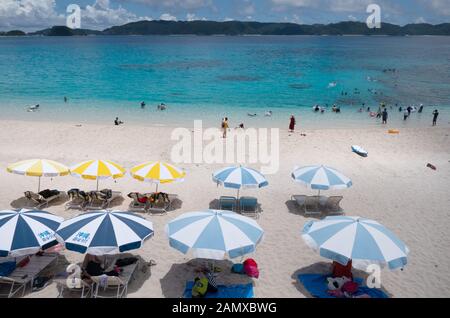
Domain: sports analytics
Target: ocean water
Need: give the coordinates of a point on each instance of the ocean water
(212, 77)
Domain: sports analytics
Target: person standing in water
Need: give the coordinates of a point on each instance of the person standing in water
(385, 116)
(292, 124)
(65, 99)
(143, 105)
(435, 117)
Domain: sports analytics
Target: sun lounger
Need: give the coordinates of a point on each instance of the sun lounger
(78, 200)
(136, 205)
(300, 200)
(21, 277)
(317, 287)
(41, 199)
(100, 200)
(118, 284)
(233, 291)
(332, 206)
(228, 203)
(313, 205)
(249, 205)
(61, 282)
(161, 206)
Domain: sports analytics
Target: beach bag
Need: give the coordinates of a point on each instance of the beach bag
(24, 262)
(238, 269)
(251, 268)
(7, 268)
(340, 270)
(200, 287)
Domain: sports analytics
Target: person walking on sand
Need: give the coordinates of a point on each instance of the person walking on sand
(435, 117)
(225, 127)
(292, 124)
(385, 116)
(405, 115)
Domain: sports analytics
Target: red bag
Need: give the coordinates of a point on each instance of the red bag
(23, 262)
(350, 288)
(251, 268)
(342, 271)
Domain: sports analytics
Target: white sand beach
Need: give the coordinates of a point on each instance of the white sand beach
(393, 186)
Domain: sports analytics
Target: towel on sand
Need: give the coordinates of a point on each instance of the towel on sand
(317, 286)
(233, 291)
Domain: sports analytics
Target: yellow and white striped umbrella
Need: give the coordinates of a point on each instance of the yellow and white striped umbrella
(158, 172)
(98, 170)
(39, 168)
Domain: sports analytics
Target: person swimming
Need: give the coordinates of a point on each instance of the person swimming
(143, 104)
(162, 106)
(252, 115)
(33, 108)
(269, 113)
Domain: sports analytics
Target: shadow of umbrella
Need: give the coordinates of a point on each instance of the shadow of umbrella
(173, 284)
(23, 202)
(325, 268)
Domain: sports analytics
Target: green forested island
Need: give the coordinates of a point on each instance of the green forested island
(244, 28)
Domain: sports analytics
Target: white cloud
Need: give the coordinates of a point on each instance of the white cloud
(100, 15)
(440, 7)
(28, 14)
(167, 17)
(39, 14)
(176, 4)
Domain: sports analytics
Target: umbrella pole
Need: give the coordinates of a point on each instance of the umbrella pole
(157, 186)
(97, 184)
(39, 185)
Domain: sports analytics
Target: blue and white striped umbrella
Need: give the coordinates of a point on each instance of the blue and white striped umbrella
(104, 232)
(240, 178)
(363, 241)
(26, 232)
(214, 234)
(321, 178)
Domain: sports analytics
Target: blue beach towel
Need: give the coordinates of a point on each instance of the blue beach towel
(317, 286)
(233, 291)
(7, 268)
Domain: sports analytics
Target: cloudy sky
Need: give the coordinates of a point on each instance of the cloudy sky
(99, 14)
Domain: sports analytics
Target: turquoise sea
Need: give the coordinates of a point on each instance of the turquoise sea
(212, 77)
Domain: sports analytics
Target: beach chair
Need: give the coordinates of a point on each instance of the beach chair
(85, 290)
(41, 199)
(300, 200)
(103, 285)
(100, 200)
(20, 278)
(162, 205)
(228, 203)
(249, 206)
(332, 205)
(136, 205)
(312, 206)
(78, 200)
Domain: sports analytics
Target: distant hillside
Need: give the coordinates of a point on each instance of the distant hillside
(256, 28)
(247, 28)
(13, 33)
(65, 31)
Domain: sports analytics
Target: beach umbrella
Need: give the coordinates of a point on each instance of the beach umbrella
(363, 241)
(158, 173)
(25, 232)
(240, 178)
(104, 232)
(321, 178)
(214, 234)
(38, 168)
(98, 170)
